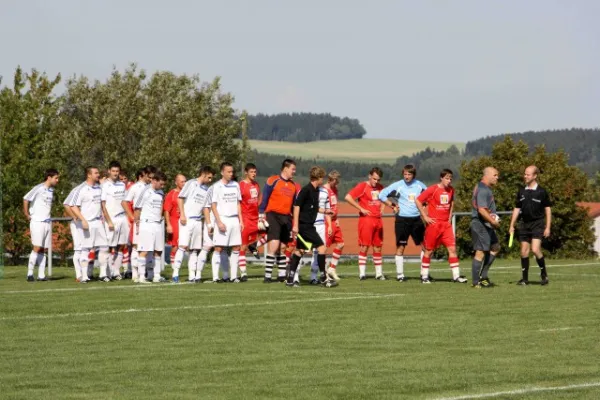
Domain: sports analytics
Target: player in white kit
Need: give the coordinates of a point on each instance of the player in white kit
(226, 208)
(144, 177)
(115, 219)
(191, 202)
(37, 205)
(87, 206)
(148, 224)
(75, 227)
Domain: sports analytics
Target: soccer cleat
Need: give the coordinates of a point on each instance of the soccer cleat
(333, 274)
(83, 280)
(544, 281)
(158, 279)
(425, 280)
(523, 282)
(254, 251)
(315, 282)
(44, 279)
(224, 280)
(486, 283)
(175, 279)
(191, 280)
(362, 278)
(460, 279)
(267, 280)
(476, 286)
(431, 278)
(143, 280)
(118, 278)
(329, 283)
(30, 278)
(127, 275)
(401, 278)
(104, 279)
(292, 284)
(236, 280)
(214, 281)
(244, 278)
(380, 278)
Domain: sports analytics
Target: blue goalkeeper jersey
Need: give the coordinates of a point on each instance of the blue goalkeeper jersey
(405, 194)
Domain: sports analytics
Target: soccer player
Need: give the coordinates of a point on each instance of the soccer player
(226, 208)
(275, 208)
(324, 229)
(306, 209)
(148, 223)
(115, 219)
(533, 206)
(408, 219)
(439, 199)
(250, 190)
(144, 177)
(483, 222)
(171, 211)
(335, 237)
(123, 177)
(37, 205)
(365, 198)
(191, 202)
(87, 207)
(75, 226)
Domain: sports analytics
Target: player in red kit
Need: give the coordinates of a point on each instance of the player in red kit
(171, 210)
(250, 200)
(365, 198)
(336, 238)
(439, 199)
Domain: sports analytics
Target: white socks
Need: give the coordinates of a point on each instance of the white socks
(201, 262)
(399, 266)
(233, 268)
(192, 264)
(216, 265)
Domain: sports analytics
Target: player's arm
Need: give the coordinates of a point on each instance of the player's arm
(267, 190)
(483, 200)
(451, 210)
(167, 207)
(296, 219)
(180, 204)
(77, 211)
(420, 202)
(206, 213)
(127, 207)
(548, 212)
(220, 224)
(350, 199)
(136, 219)
(385, 194)
(515, 214)
(69, 212)
(240, 216)
(107, 216)
(26, 209)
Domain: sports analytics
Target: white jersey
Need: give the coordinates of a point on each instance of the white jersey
(134, 191)
(150, 201)
(324, 204)
(113, 193)
(227, 197)
(195, 196)
(69, 201)
(89, 200)
(40, 202)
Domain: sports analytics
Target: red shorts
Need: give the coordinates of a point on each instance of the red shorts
(438, 234)
(336, 234)
(173, 238)
(370, 231)
(250, 232)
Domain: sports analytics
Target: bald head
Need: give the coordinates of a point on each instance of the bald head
(490, 176)
(530, 175)
(180, 181)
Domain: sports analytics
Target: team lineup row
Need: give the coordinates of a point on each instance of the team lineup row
(126, 223)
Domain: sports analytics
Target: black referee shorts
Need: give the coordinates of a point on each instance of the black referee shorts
(280, 227)
(309, 234)
(531, 230)
(483, 237)
(406, 227)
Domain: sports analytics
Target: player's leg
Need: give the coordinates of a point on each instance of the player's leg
(429, 244)
(235, 242)
(273, 245)
(294, 262)
(401, 231)
(337, 240)
(377, 245)
(100, 242)
(525, 249)
(36, 241)
(481, 242)
(364, 242)
(76, 250)
(285, 236)
(183, 241)
(216, 263)
(489, 259)
(448, 239)
(536, 249)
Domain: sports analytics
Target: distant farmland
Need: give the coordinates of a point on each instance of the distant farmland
(359, 150)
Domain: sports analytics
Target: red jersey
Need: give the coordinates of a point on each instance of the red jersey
(368, 197)
(127, 187)
(250, 194)
(439, 201)
(171, 204)
(278, 195)
(333, 202)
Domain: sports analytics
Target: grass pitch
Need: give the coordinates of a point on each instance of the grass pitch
(352, 150)
(370, 339)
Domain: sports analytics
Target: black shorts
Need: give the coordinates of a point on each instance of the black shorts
(280, 227)
(309, 234)
(531, 230)
(409, 226)
(483, 237)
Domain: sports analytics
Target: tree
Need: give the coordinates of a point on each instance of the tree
(571, 227)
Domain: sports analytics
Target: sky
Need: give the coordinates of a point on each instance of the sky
(421, 69)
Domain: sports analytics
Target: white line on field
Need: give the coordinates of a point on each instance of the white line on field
(522, 391)
(200, 307)
(519, 266)
(566, 328)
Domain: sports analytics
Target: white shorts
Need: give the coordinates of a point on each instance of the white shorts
(120, 234)
(232, 235)
(41, 233)
(207, 238)
(95, 236)
(151, 237)
(321, 231)
(190, 234)
(76, 234)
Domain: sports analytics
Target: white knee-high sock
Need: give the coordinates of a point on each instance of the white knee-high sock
(42, 265)
(84, 261)
(103, 260)
(400, 266)
(134, 263)
(141, 267)
(216, 265)
(157, 266)
(225, 264)
(118, 261)
(32, 263)
(234, 262)
(77, 263)
(201, 262)
(192, 264)
(176, 263)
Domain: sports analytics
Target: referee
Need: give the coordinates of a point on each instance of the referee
(533, 204)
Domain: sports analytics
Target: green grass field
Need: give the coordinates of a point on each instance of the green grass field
(361, 340)
(356, 150)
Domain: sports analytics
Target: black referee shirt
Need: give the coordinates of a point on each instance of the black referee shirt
(308, 201)
(532, 203)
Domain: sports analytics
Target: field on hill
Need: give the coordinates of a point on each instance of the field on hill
(363, 339)
(357, 150)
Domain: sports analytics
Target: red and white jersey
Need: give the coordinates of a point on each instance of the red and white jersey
(368, 197)
(439, 201)
(333, 201)
(250, 196)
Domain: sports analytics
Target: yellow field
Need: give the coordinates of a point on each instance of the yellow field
(359, 150)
